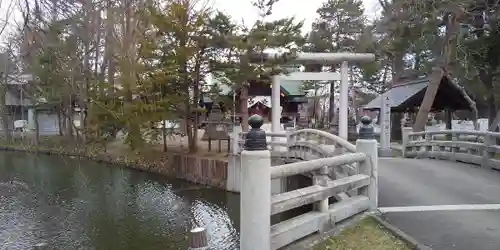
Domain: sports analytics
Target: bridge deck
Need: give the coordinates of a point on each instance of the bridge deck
(406, 183)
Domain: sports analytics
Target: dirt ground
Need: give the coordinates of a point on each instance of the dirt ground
(180, 144)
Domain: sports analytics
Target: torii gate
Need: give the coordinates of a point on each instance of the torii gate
(320, 58)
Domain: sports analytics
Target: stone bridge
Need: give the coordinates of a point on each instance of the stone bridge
(443, 197)
(334, 177)
(307, 145)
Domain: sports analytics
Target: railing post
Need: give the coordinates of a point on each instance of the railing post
(454, 137)
(255, 196)
(290, 140)
(321, 179)
(428, 146)
(405, 139)
(369, 167)
(488, 141)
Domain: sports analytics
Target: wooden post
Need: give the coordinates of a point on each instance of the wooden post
(198, 238)
(164, 135)
(369, 167)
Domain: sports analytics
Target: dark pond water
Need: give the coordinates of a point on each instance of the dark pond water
(74, 204)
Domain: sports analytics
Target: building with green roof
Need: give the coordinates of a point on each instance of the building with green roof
(259, 101)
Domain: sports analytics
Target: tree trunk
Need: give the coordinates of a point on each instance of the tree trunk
(193, 146)
(331, 110)
(60, 125)
(37, 126)
(87, 37)
(493, 125)
(129, 50)
(109, 55)
(164, 135)
(3, 112)
(430, 95)
(398, 66)
(447, 56)
(4, 72)
(69, 119)
(244, 107)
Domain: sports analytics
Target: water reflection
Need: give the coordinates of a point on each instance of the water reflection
(73, 204)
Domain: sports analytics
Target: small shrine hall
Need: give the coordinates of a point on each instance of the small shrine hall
(259, 101)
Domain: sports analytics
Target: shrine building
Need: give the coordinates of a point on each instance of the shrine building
(259, 101)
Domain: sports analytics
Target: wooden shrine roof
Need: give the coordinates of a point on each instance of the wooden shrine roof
(408, 96)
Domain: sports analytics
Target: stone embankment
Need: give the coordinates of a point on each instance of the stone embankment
(211, 171)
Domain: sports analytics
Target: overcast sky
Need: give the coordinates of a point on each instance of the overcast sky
(302, 9)
(238, 9)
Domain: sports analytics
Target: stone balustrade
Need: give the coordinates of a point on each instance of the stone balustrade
(468, 146)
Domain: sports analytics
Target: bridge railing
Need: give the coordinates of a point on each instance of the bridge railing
(281, 140)
(274, 140)
(258, 204)
(469, 146)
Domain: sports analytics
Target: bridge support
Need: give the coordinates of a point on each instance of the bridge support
(255, 205)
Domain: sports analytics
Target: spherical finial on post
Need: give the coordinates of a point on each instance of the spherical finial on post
(256, 137)
(255, 121)
(407, 122)
(366, 120)
(366, 129)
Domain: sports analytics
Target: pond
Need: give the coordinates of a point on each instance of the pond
(78, 204)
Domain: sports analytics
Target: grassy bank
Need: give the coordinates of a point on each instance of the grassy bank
(366, 235)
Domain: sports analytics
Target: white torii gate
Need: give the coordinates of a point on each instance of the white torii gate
(322, 58)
